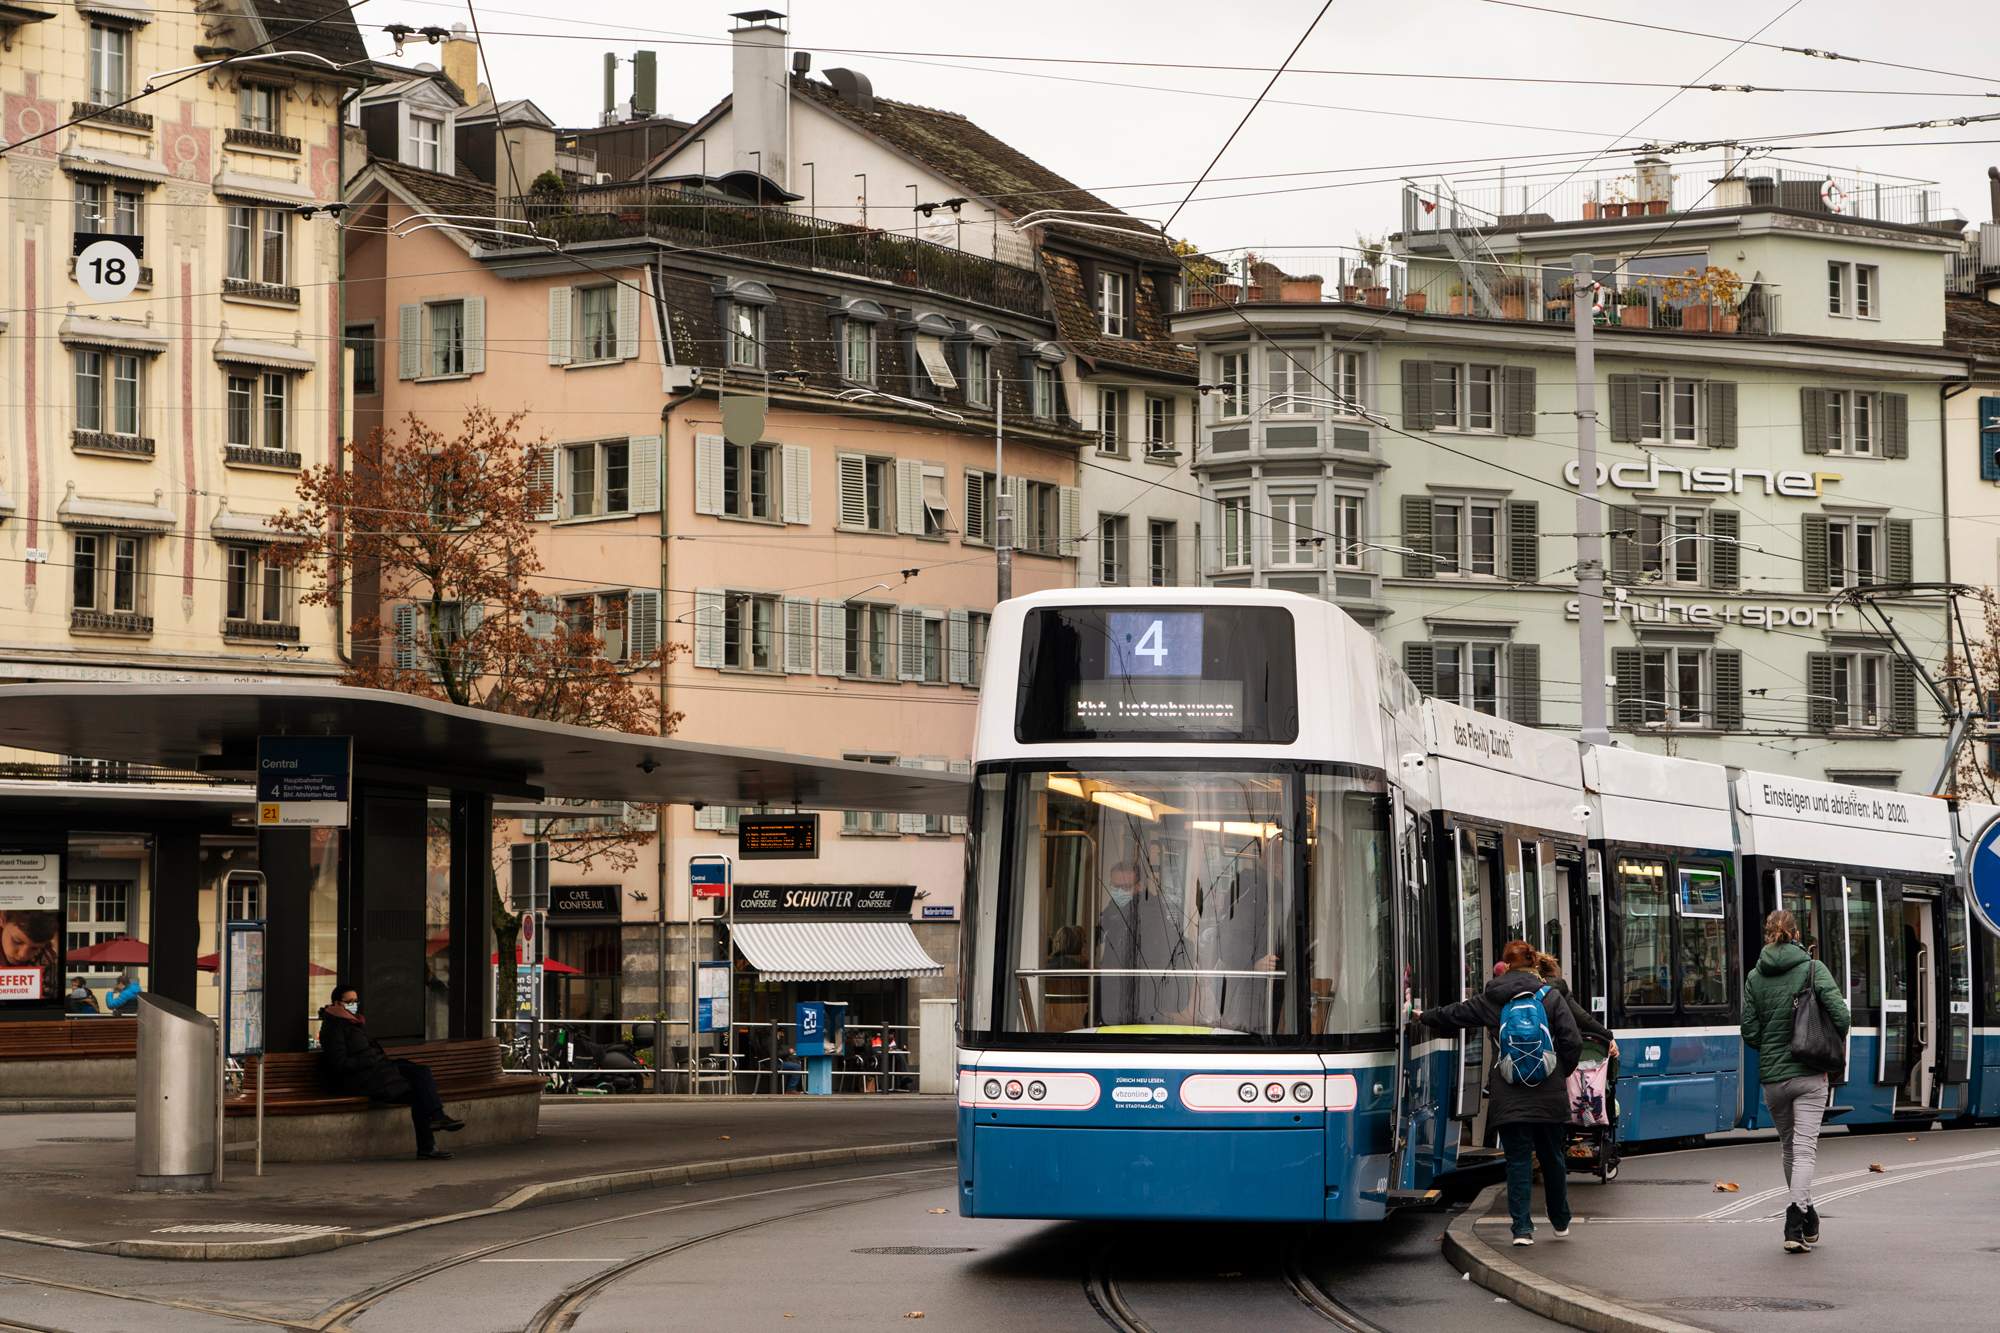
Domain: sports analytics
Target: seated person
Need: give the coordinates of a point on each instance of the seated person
(123, 997)
(354, 1063)
(79, 1000)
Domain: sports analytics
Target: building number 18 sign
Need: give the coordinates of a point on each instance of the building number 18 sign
(108, 270)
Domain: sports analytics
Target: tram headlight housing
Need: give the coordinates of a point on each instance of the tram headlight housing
(992, 1089)
(1013, 1089)
(1274, 1092)
(1302, 1092)
(1247, 1093)
(1037, 1090)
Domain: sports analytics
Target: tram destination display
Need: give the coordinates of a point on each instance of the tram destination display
(1158, 673)
(777, 837)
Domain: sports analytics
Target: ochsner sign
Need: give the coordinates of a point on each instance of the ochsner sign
(1704, 480)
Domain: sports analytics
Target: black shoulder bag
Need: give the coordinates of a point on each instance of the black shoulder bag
(1816, 1040)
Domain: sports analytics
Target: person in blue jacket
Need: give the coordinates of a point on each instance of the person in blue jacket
(123, 997)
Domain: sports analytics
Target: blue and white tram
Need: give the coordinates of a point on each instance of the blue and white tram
(1870, 876)
(1194, 878)
(1983, 1091)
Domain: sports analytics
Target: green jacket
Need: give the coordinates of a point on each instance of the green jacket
(1767, 1007)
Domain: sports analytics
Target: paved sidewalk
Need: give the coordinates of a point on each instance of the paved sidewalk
(69, 1177)
(1661, 1248)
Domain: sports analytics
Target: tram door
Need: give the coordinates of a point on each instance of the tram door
(1418, 1130)
(1954, 1062)
(1480, 878)
(1920, 955)
(1814, 899)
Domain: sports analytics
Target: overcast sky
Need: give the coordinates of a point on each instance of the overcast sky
(1141, 145)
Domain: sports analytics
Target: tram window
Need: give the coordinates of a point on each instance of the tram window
(1594, 915)
(1798, 894)
(1989, 945)
(1646, 956)
(982, 901)
(1531, 894)
(1958, 984)
(1349, 911)
(1865, 992)
(1703, 929)
(1471, 927)
(1555, 892)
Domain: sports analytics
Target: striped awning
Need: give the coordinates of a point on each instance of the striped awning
(833, 950)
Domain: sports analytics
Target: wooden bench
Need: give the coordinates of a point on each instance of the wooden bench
(306, 1122)
(69, 1057)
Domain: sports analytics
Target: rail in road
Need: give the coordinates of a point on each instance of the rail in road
(1285, 1297)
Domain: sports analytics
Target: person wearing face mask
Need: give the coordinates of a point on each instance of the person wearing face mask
(354, 1063)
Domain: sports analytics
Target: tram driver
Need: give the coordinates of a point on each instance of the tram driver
(1240, 932)
(1140, 932)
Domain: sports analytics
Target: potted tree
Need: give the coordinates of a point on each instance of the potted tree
(1512, 293)
(1633, 310)
(1725, 291)
(1373, 249)
(1456, 294)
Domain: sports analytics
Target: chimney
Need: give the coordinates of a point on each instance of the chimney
(761, 95)
(1993, 191)
(461, 63)
(610, 116)
(645, 84)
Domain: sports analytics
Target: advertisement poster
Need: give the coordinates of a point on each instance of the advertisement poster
(31, 924)
(711, 997)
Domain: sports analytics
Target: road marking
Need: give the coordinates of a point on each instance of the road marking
(1752, 1200)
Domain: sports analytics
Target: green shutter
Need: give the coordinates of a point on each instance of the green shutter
(1417, 516)
(1628, 687)
(1524, 555)
(1416, 395)
(1518, 400)
(1725, 557)
(1721, 414)
(1624, 409)
(1895, 425)
(1819, 691)
(1420, 664)
(1524, 684)
(1902, 697)
(1623, 542)
(1812, 544)
(1728, 689)
(1812, 420)
(1899, 531)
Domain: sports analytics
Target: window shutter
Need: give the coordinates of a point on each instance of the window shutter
(1420, 664)
(628, 321)
(712, 818)
(832, 638)
(643, 620)
(798, 484)
(1519, 410)
(910, 645)
(708, 474)
(1819, 691)
(959, 625)
(543, 484)
(1417, 399)
(561, 350)
(1989, 439)
(974, 523)
(1728, 689)
(1418, 514)
(1721, 414)
(643, 473)
(853, 491)
(1624, 409)
(1725, 557)
(1902, 697)
(1628, 686)
(710, 606)
(1072, 516)
(409, 341)
(907, 823)
(1812, 420)
(1895, 425)
(909, 496)
(1524, 553)
(1624, 541)
(1524, 684)
(475, 335)
(1899, 534)
(956, 824)
(1812, 546)
(405, 620)
(799, 636)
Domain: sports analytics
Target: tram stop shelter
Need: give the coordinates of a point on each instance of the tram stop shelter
(406, 750)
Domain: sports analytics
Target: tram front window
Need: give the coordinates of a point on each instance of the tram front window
(1154, 902)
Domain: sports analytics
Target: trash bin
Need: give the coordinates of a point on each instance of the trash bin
(176, 1130)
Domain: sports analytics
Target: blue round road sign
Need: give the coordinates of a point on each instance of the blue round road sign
(1983, 875)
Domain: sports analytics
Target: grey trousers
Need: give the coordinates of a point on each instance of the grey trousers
(1798, 1105)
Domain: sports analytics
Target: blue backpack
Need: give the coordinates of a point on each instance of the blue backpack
(1527, 1050)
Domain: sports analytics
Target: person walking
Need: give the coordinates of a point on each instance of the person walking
(354, 1063)
(1536, 1047)
(1797, 1094)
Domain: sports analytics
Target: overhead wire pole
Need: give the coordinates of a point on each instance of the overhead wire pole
(1589, 513)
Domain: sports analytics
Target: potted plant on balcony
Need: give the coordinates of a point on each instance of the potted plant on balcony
(1456, 294)
(1373, 250)
(1512, 293)
(1416, 302)
(1560, 301)
(1633, 310)
(1724, 287)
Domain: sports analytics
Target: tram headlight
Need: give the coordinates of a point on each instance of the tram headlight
(1247, 1093)
(992, 1089)
(1013, 1089)
(1302, 1092)
(1037, 1090)
(1274, 1092)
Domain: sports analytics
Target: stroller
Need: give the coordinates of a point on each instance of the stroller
(1591, 1145)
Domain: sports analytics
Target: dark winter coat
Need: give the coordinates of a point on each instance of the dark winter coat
(353, 1063)
(1767, 1007)
(1586, 1022)
(1516, 1103)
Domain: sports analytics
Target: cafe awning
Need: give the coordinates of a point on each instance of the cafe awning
(833, 950)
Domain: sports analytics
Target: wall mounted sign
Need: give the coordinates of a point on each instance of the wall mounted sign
(302, 781)
(777, 837)
(890, 901)
(570, 901)
(1647, 608)
(1704, 480)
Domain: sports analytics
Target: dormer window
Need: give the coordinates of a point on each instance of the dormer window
(748, 313)
(426, 146)
(1113, 291)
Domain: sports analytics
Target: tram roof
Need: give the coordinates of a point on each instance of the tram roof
(400, 738)
(1832, 823)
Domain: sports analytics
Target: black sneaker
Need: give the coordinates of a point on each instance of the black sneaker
(1810, 1232)
(436, 1155)
(1795, 1229)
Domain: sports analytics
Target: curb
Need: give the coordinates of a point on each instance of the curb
(63, 1105)
(1532, 1291)
(527, 1196)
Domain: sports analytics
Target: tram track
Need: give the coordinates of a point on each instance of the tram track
(1109, 1298)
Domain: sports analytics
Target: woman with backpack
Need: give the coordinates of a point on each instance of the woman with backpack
(1796, 1091)
(1535, 1046)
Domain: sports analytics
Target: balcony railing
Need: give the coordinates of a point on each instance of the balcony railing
(1977, 265)
(110, 622)
(775, 236)
(109, 442)
(106, 114)
(236, 136)
(259, 629)
(250, 455)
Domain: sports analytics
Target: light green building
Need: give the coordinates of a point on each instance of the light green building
(1400, 436)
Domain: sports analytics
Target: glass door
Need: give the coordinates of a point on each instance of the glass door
(1473, 951)
(1892, 1064)
(1955, 1063)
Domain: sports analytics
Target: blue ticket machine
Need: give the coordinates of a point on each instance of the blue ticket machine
(821, 1030)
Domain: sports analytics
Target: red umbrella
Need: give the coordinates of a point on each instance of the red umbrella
(208, 962)
(122, 950)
